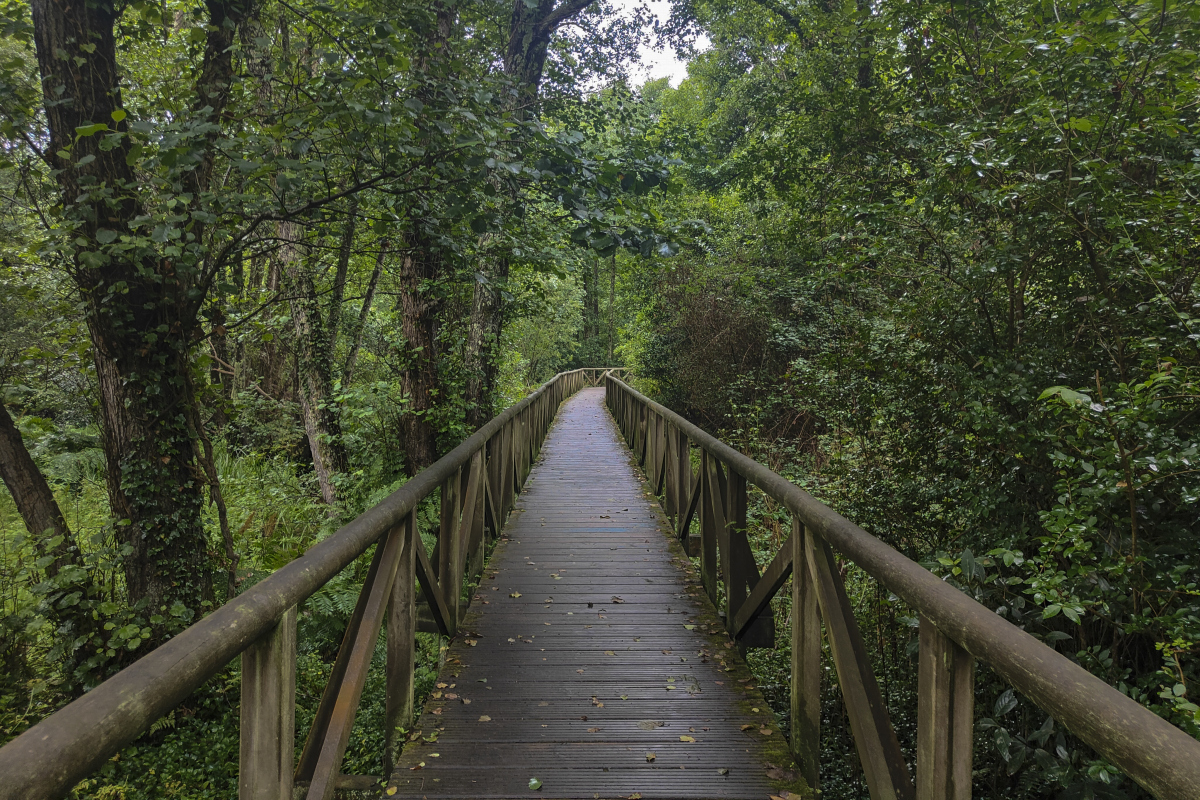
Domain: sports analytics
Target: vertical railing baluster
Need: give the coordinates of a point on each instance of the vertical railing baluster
(708, 527)
(448, 544)
(268, 714)
(874, 737)
(806, 663)
(945, 717)
(742, 572)
(401, 648)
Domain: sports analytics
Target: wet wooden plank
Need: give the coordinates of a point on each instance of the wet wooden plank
(539, 684)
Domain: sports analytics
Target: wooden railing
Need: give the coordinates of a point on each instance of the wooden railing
(478, 482)
(954, 629)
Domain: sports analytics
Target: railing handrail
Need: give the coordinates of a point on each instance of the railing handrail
(52, 756)
(1159, 756)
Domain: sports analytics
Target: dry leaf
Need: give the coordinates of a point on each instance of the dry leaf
(650, 724)
(593, 730)
(466, 702)
(485, 718)
(747, 727)
(765, 731)
(650, 757)
(515, 594)
(609, 653)
(687, 738)
(723, 771)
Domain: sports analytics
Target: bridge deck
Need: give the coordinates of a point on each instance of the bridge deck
(591, 664)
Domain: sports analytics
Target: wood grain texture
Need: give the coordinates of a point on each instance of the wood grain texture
(585, 648)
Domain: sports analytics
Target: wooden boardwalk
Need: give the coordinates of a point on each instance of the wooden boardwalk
(588, 661)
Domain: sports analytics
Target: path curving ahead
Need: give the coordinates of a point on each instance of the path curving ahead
(587, 661)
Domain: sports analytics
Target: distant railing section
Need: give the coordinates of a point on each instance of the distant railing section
(478, 482)
(954, 629)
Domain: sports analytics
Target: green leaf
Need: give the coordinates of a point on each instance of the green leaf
(118, 115)
(534, 784)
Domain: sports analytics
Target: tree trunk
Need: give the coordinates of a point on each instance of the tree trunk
(418, 300)
(419, 380)
(34, 499)
(314, 369)
(141, 310)
(363, 313)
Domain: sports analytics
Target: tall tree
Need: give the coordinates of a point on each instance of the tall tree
(531, 29)
(141, 289)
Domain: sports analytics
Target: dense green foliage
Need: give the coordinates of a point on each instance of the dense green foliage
(933, 262)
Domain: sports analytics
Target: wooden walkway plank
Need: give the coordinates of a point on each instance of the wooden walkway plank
(588, 659)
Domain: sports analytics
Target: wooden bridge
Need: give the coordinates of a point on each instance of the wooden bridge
(595, 658)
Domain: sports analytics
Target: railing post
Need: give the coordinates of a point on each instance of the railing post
(945, 717)
(806, 663)
(268, 714)
(401, 647)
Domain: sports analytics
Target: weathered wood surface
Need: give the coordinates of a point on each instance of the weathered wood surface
(583, 636)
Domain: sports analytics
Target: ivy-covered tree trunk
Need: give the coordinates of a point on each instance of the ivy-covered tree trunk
(420, 380)
(418, 300)
(141, 298)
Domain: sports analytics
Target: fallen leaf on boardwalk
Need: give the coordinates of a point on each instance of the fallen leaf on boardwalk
(436, 695)
(466, 702)
(617, 599)
(747, 727)
(441, 686)
(579, 671)
(451, 696)
(515, 594)
(437, 712)
(584, 718)
(723, 771)
(689, 627)
(687, 738)
(666, 652)
(650, 724)
(435, 755)
(418, 766)
(650, 756)
(635, 796)
(391, 790)
(543, 704)
(593, 730)
(535, 784)
(511, 639)
(780, 774)
(609, 653)
(765, 731)
(624, 697)
(485, 718)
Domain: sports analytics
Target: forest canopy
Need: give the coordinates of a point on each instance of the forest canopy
(262, 262)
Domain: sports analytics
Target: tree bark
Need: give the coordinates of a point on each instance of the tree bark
(420, 380)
